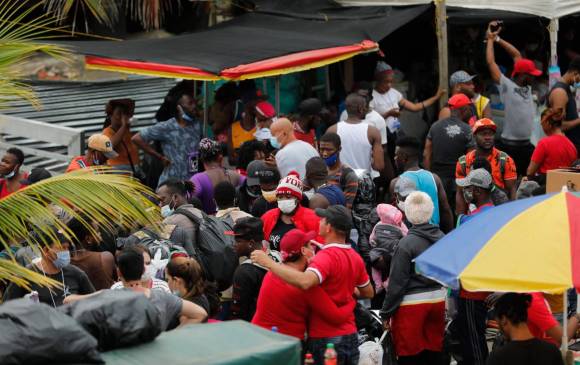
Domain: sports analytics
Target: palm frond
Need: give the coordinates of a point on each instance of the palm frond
(104, 11)
(12, 272)
(98, 196)
(19, 36)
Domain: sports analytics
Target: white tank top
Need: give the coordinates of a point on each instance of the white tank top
(356, 149)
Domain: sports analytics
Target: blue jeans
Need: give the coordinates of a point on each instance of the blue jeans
(346, 348)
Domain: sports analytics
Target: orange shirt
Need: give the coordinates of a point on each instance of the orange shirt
(499, 179)
(124, 148)
(240, 135)
(78, 163)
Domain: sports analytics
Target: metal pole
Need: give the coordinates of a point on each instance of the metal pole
(195, 89)
(264, 86)
(441, 24)
(205, 108)
(565, 323)
(327, 82)
(277, 83)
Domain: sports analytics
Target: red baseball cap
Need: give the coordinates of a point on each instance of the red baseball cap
(483, 124)
(525, 66)
(458, 101)
(266, 109)
(293, 241)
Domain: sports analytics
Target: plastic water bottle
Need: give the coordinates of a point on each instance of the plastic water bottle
(275, 329)
(308, 359)
(330, 355)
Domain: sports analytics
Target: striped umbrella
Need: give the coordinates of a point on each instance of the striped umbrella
(523, 246)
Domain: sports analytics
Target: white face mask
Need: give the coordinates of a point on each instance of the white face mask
(166, 211)
(401, 205)
(287, 206)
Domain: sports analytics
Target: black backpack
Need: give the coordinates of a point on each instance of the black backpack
(214, 248)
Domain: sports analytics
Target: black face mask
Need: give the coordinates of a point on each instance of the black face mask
(254, 191)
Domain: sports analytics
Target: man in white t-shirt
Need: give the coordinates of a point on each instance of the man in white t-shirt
(293, 153)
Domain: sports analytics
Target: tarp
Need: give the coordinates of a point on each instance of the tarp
(232, 342)
(546, 8)
(266, 42)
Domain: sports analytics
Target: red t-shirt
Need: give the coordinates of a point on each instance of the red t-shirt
(540, 318)
(554, 152)
(4, 187)
(289, 308)
(340, 269)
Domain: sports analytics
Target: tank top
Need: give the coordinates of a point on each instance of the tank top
(571, 111)
(356, 148)
(425, 182)
(240, 135)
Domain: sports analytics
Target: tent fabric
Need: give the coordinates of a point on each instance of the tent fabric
(546, 8)
(224, 343)
(243, 47)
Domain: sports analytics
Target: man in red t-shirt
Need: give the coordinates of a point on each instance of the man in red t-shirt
(288, 308)
(341, 272)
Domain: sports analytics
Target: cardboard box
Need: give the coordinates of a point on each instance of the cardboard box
(556, 179)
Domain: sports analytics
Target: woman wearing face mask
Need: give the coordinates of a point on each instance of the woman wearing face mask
(185, 278)
(554, 151)
(289, 214)
(54, 263)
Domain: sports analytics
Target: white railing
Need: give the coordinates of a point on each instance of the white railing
(71, 138)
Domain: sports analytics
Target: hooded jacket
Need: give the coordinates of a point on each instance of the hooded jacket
(304, 219)
(403, 279)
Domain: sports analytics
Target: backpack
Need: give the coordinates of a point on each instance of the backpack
(498, 195)
(215, 250)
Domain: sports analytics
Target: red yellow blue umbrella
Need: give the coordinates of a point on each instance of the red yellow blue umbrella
(524, 246)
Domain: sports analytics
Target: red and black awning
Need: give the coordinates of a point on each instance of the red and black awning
(253, 45)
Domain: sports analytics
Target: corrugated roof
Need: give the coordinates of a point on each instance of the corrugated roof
(81, 106)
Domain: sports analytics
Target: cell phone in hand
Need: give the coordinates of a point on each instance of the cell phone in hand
(497, 26)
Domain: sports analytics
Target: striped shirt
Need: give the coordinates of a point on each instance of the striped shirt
(346, 179)
(157, 285)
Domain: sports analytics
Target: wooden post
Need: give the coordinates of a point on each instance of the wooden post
(553, 28)
(441, 24)
(348, 74)
(277, 86)
(205, 108)
(327, 82)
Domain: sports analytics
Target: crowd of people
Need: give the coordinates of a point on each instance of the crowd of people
(320, 215)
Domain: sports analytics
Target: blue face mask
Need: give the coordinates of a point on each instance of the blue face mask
(331, 160)
(576, 86)
(274, 142)
(62, 259)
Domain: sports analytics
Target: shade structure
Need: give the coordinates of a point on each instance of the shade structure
(523, 246)
(274, 40)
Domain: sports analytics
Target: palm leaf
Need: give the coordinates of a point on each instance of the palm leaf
(94, 195)
(104, 11)
(18, 43)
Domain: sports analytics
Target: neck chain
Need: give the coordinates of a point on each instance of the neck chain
(49, 289)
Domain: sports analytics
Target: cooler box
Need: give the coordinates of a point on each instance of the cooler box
(232, 342)
(556, 179)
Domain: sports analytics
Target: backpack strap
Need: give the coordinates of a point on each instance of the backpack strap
(463, 164)
(192, 217)
(502, 162)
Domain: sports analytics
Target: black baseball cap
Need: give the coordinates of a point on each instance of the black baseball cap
(259, 172)
(337, 216)
(248, 228)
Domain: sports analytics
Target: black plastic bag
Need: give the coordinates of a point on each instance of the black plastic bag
(117, 318)
(35, 333)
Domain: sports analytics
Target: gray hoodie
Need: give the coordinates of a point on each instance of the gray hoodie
(403, 279)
